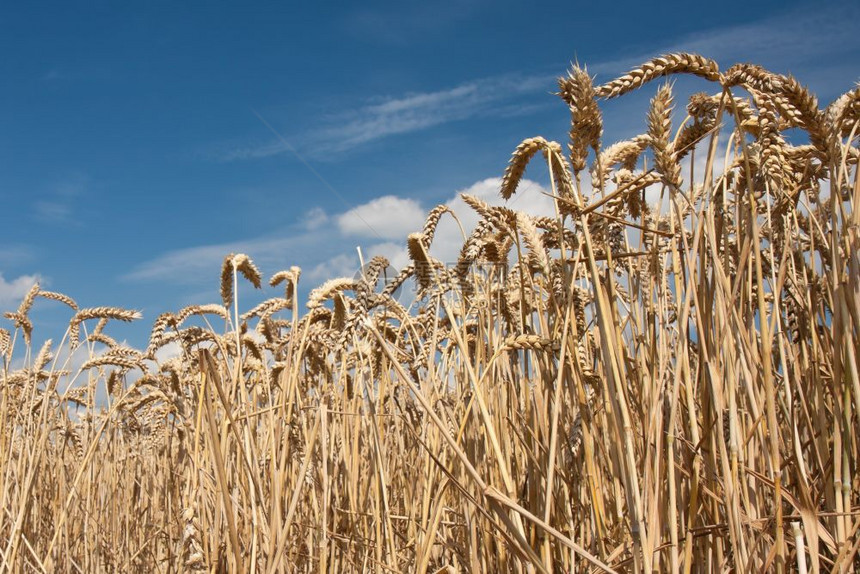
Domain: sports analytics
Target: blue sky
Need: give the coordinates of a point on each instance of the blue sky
(141, 143)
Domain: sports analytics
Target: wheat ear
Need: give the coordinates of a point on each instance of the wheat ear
(659, 128)
(680, 63)
(586, 120)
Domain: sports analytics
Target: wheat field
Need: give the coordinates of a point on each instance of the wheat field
(661, 378)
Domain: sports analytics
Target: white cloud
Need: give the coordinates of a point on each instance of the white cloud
(325, 253)
(52, 211)
(395, 252)
(387, 217)
(167, 352)
(12, 292)
(10, 254)
(315, 218)
(341, 265)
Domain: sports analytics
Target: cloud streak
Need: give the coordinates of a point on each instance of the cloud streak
(388, 217)
(381, 118)
(58, 207)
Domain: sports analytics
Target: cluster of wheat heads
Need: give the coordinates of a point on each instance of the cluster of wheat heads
(632, 385)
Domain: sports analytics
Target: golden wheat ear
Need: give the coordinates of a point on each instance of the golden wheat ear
(291, 279)
(586, 119)
(659, 130)
(680, 63)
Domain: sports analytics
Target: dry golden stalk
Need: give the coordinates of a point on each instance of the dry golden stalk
(237, 263)
(625, 153)
(397, 281)
(533, 342)
(44, 356)
(680, 63)
(266, 308)
(27, 302)
(586, 125)
(21, 322)
(95, 337)
(5, 342)
(115, 313)
(432, 221)
(517, 165)
(521, 157)
(113, 360)
(98, 313)
(415, 245)
(327, 290)
(659, 130)
(533, 241)
(840, 119)
(291, 278)
(211, 309)
(64, 299)
(773, 146)
(503, 218)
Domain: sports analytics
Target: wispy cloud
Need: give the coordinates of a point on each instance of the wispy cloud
(58, 204)
(401, 23)
(195, 265)
(53, 75)
(380, 118)
(11, 254)
(53, 211)
(308, 242)
(415, 112)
